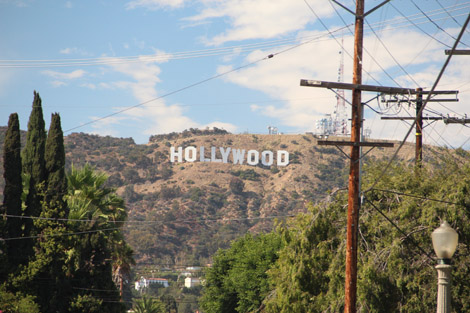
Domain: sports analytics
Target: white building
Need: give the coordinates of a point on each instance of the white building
(145, 282)
(190, 282)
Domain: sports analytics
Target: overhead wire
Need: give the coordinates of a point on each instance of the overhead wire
(291, 41)
(435, 24)
(393, 58)
(427, 254)
(176, 221)
(421, 29)
(385, 169)
(169, 93)
(236, 49)
(447, 12)
(132, 223)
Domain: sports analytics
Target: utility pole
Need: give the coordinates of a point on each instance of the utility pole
(354, 174)
(419, 116)
(354, 188)
(419, 128)
(354, 169)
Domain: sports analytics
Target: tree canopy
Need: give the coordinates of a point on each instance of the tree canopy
(400, 209)
(237, 280)
(63, 234)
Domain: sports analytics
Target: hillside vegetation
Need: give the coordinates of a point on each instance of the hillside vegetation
(181, 213)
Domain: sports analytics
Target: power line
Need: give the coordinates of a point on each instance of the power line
(423, 105)
(30, 63)
(133, 222)
(59, 234)
(400, 230)
(170, 93)
(434, 23)
(421, 29)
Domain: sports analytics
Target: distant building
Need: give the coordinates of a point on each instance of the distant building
(145, 282)
(190, 282)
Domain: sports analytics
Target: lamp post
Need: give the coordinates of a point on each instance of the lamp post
(444, 241)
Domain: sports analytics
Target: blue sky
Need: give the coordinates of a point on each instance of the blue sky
(143, 67)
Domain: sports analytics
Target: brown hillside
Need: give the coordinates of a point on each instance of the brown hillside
(181, 213)
(188, 210)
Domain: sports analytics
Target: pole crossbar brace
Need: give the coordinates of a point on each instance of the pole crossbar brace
(382, 89)
(365, 14)
(414, 100)
(447, 120)
(458, 52)
(355, 144)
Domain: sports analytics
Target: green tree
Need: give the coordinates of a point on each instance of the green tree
(12, 191)
(170, 303)
(34, 170)
(123, 259)
(17, 303)
(97, 213)
(56, 187)
(148, 305)
(237, 280)
(308, 273)
(52, 288)
(236, 185)
(395, 265)
(44, 276)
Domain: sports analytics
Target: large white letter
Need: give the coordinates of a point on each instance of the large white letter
(269, 160)
(178, 154)
(190, 151)
(213, 156)
(225, 154)
(202, 157)
(280, 155)
(238, 156)
(249, 157)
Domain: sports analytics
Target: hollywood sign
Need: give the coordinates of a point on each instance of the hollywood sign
(226, 155)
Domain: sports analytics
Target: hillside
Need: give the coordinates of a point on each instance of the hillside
(180, 213)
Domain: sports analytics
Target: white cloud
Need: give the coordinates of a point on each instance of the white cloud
(89, 86)
(106, 127)
(74, 50)
(65, 76)
(259, 19)
(154, 4)
(279, 77)
(57, 83)
(68, 4)
(226, 126)
(154, 115)
(18, 3)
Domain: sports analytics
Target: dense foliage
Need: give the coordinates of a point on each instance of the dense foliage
(401, 208)
(61, 235)
(237, 281)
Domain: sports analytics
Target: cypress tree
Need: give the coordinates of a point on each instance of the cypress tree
(13, 187)
(48, 281)
(34, 168)
(56, 187)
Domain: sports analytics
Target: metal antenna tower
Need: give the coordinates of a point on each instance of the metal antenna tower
(336, 123)
(341, 117)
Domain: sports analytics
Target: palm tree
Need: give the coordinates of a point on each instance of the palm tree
(122, 258)
(148, 305)
(100, 253)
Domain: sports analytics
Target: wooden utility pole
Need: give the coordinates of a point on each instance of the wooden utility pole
(419, 127)
(419, 116)
(354, 169)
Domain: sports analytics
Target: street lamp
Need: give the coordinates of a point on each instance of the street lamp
(444, 241)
